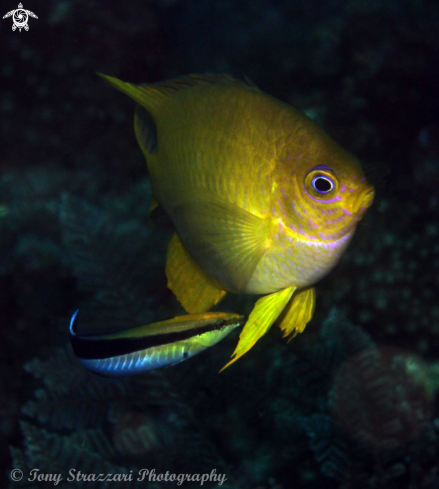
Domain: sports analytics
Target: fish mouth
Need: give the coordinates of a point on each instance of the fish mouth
(364, 200)
(368, 198)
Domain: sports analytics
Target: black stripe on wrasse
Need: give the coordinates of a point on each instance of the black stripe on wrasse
(95, 347)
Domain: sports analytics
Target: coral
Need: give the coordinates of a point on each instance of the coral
(375, 429)
(389, 277)
(119, 262)
(101, 426)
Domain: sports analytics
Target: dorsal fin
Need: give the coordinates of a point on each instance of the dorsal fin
(197, 80)
(149, 96)
(152, 95)
(250, 83)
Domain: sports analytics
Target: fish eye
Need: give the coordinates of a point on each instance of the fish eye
(322, 184)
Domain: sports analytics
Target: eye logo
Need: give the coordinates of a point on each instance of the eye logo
(20, 16)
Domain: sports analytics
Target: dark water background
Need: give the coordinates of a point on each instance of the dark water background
(352, 403)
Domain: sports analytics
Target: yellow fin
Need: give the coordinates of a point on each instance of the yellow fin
(149, 96)
(227, 240)
(298, 313)
(265, 312)
(188, 282)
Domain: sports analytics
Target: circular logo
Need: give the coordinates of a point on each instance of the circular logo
(16, 475)
(20, 18)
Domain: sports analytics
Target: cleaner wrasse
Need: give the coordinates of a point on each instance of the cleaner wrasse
(149, 347)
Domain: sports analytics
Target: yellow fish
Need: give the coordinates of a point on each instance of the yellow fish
(263, 200)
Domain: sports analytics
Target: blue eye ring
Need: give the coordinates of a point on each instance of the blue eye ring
(322, 184)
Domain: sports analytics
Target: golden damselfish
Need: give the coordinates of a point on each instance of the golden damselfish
(263, 200)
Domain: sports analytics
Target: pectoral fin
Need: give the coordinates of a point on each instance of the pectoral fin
(192, 288)
(227, 240)
(298, 312)
(265, 312)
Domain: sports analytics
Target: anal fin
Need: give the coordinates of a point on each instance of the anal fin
(266, 311)
(191, 286)
(298, 312)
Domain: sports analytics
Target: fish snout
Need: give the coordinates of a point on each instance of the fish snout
(364, 200)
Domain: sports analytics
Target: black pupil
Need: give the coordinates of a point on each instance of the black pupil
(322, 184)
